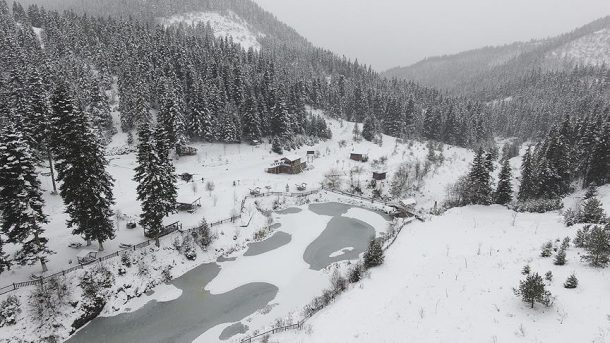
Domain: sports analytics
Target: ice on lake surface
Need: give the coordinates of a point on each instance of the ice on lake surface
(243, 284)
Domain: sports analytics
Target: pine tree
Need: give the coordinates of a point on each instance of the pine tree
(86, 187)
(252, 123)
(571, 282)
(369, 128)
(560, 258)
(156, 181)
(593, 212)
(527, 189)
(597, 246)
(504, 191)
(532, 290)
(374, 254)
(21, 201)
(479, 181)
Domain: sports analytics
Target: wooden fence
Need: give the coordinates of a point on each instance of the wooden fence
(298, 325)
(177, 226)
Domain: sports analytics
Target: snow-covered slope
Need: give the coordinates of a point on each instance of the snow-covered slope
(451, 280)
(226, 24)
(593, 49)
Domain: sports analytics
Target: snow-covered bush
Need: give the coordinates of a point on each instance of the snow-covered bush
(126, 259)
(188, 247)
(202, 235)
(338, 282)
(547, 249)
(48, 299)
(538, 205)
(571, 282)
(597, 246)
(94, 282)
(560, 258)
(533, 290)
(374, 254)
(9, 310)
(580, 240)
(355, 273)
(166, 273)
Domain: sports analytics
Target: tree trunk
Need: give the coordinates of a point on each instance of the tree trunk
(88, 242)
(157, 242)
(101, 245)
(44, 265)
(50, 156)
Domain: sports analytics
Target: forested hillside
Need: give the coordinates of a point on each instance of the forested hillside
(482, 71)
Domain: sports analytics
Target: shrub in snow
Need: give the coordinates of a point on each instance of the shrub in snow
(571, 282)
(581, 237)
(177, 243)
(526, 270)
(94, 281)
(166, 273)
(202, 235)
(538, 205)
(571, 217)
(355, 273)
(48, 299)
(565, 243)
(143, 270)
(548, 276)
(126, 259)
(560, 258)
(9, 309)
(338, 282)
(532, 290)
(597, 247)
(547, 249)
(374, 254)
(593, 212)
(188, 247)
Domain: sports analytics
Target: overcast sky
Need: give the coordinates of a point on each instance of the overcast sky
(388, 33)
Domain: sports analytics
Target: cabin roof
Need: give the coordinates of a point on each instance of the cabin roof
(292, 158)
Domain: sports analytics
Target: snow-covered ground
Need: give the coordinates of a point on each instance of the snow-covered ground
(225, 24)
(451, 280)
(234, 170)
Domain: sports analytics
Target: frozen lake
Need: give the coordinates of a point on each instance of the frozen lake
(269, 279)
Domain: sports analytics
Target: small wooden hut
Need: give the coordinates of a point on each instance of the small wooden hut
(358, 157)
(379, 175)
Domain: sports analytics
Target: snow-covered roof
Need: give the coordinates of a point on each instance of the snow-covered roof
(292, 158)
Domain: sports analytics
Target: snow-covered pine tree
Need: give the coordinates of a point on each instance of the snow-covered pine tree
(593, 212)
(597, 247)
(598, 171)
(532, 290)
(479, 180)
(170, 117)
(280, 119)
(369, 128)
(21, 200)
(504, 191)
(251, 122)
(156, 181)
(86, 187)
(374, 254)
(527, 189)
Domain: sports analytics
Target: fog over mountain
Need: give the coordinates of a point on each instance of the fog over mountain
(417, 29)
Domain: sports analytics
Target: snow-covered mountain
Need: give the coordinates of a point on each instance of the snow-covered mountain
(467, 72)
(225, 24)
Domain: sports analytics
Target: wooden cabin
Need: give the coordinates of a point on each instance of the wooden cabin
(186, 151)
(379, 176)
(358, 157)
(287, 165)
